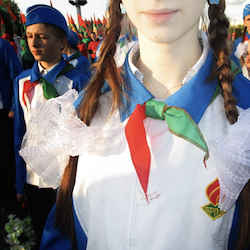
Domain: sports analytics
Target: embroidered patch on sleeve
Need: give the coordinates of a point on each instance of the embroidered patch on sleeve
(213, 195)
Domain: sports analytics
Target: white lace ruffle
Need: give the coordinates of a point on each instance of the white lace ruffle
(54, 133)
(241, 48)
(231, 155)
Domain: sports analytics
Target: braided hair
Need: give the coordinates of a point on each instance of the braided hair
(106, 70)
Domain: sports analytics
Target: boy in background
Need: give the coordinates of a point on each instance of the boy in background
(72, 54)
(50, 76)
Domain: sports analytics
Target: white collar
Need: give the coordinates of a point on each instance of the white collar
(43, 71)
(203, 40)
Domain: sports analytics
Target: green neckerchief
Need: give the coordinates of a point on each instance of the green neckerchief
(48, 89)
(76, 55)
(180, 123)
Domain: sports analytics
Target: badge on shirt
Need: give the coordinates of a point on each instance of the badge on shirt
(213, 195)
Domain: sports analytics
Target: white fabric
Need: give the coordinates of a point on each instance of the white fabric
(62, 134)
(107, 190)
(62, 84)
(232, 158)
(50, 134)
(43, 71)
(241, 48)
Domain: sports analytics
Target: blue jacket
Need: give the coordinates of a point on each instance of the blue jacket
(79, 81)
(10, 68)
(80, 63)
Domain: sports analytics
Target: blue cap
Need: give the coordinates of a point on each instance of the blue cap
(42, 13)
(72, 38)
(246, 11)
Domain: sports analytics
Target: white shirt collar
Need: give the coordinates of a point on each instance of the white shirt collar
(203, 40)
(43, 71)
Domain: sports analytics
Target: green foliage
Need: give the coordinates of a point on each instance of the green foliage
(237, 29)
(7, 20)
(20, 233)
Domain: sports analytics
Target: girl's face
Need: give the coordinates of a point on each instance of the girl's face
(247, 59)
(247, 22)
(164, 21)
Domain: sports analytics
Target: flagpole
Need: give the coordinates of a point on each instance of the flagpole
(78, 4)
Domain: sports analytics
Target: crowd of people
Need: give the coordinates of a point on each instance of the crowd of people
(130, 142)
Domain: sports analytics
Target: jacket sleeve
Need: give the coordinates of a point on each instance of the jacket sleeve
(19, 131)
(53, 239)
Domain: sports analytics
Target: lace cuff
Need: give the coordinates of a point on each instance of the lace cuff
(54, 133)
(231, 154)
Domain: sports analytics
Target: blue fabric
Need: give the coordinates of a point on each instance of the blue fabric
(53, 239)
(235, 228)
(72, 38)
(83, 64)
(79, 81)
(246, 11)
(194, 96)
(10, 68)
(41, 13)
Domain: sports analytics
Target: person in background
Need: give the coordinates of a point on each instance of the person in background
(72, 54)
(86, 39)
(50, 76)
(245, 34)
(10, 68)
(27, 57)
(9, 39)
(243, 54)
(82, 47)
(19, 48)
(92, 47)
(246, 23)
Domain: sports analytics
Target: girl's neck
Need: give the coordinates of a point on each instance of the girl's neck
(165, 65)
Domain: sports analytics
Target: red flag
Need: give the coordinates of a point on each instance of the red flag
(2, 26)
(104, 21)
(10, 12)
(73, 25)
(50, 3)
(83, 24)
(22, 18)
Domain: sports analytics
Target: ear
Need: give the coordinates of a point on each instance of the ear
(63, 43)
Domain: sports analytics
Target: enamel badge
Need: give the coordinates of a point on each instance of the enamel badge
(213, 195)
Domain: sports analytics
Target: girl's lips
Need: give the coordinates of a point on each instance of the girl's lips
(160, 16)
(36, 52)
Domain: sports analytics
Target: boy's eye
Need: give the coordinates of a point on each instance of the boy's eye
(246, 54)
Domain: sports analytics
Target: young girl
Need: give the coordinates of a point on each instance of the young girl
(242, 54)
(163, 162)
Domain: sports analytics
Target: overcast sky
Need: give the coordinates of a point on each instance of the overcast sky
(234, 8)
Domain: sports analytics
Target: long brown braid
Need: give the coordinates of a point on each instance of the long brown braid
(106, 70)
(222, 71)
(244, 35)
(218, 33)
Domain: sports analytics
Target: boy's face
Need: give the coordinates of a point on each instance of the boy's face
(44, 45)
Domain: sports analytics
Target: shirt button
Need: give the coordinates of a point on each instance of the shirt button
(141, 199)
